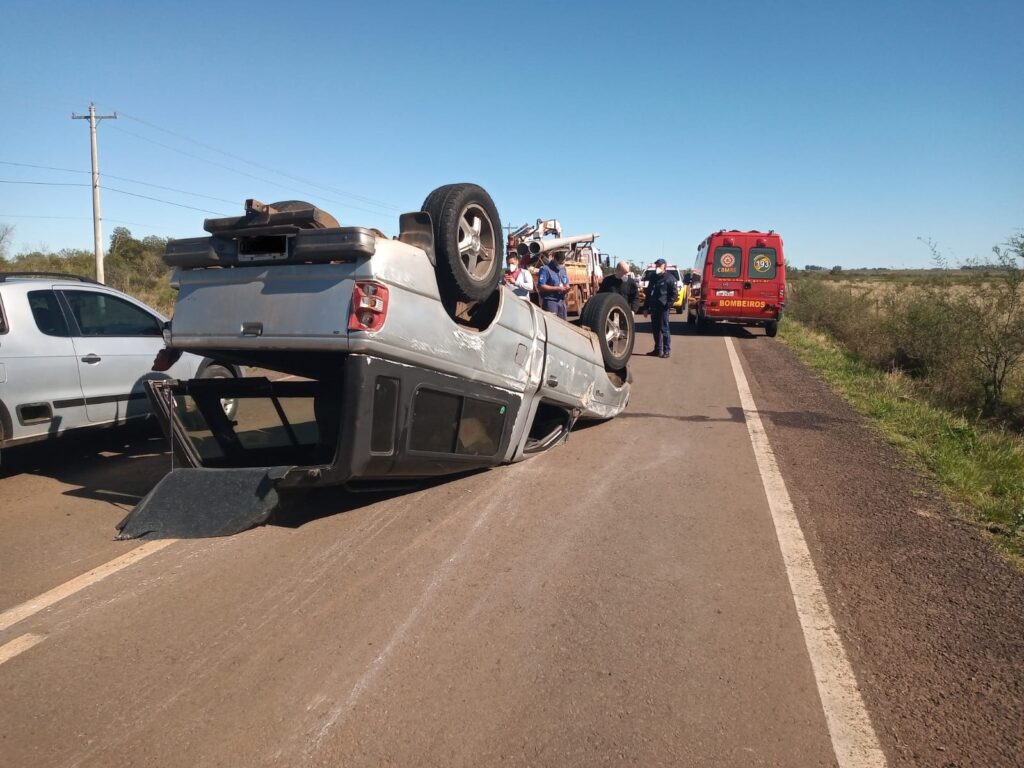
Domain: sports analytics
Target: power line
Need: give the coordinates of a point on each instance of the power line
(121, 178)
(46, 183)
(75, 218)
(165, 202)
(114, 189)
(250, 175)
(343, 193)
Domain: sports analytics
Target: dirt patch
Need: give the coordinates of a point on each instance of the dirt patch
(932, 617)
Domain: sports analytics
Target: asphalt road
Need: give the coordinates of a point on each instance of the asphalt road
(620, 600)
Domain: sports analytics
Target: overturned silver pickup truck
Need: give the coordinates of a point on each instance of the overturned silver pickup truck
(386, 359)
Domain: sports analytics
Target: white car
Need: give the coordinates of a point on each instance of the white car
(76, 354)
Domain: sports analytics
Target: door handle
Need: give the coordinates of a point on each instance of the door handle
(91, 359)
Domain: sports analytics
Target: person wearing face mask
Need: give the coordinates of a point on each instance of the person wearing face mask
(518, 279)
(553, 282)
(622, 283)
(662, 292)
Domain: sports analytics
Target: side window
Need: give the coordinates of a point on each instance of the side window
(100, 314)
(762, 263)
(698, 267)
(446, 423)
(727, 261)
(47, 313)
(435, 421)
(480, 427)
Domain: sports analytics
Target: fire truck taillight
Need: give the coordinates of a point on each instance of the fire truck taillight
(782, 293)
(369, 307)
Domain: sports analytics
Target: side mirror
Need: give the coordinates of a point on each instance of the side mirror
(687, 278)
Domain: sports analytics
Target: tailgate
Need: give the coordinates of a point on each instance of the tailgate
(302, 306)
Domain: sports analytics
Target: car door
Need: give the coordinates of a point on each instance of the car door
(116, 341)
(726, 289)
(763, 276)
(39, 385)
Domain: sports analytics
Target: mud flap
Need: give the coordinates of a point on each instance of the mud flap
(200, 503)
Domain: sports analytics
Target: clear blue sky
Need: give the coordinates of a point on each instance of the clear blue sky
(851, 130)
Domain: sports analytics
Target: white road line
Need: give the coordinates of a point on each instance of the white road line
(18, 645)
(853, 738)
(12, 616)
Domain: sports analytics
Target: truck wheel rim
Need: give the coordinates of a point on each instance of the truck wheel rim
(476, 241)
(616, 332)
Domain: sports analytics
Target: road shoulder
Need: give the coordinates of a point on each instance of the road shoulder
(930, 614)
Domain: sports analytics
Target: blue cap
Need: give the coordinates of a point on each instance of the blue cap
(660, 263)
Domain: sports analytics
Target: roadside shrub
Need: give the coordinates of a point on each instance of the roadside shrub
(133, 266)
(961, 341)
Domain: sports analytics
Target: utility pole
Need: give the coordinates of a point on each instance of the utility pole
(97, 217)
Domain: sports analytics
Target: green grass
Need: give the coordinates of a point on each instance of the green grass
(981, 470)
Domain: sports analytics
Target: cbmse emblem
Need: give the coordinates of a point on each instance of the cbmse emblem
(728, 261)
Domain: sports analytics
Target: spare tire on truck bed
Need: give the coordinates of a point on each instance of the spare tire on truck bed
(467, 241)
(609, 316)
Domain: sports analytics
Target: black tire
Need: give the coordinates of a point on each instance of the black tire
(608, 315)
(703, 325)
(771, 329)
(214, 371)
(472, 273)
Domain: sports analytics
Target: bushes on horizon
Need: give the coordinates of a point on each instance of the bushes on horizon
(962, 342)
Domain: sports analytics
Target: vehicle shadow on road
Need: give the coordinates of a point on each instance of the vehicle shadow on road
(735, 415)
(297, 508)
(817, 422)
(718, 329)
(679, 327)
(119, 466)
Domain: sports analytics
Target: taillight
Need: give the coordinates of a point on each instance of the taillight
(369, 307)
(782, 292)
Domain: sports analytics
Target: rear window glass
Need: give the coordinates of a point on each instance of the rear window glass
(762, 263)
(727, 261)
(47, 313)
(435, 421)
(446, 423)
(480, 427)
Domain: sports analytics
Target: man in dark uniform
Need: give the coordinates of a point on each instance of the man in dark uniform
(553, 284)
(661, 295)
(622, 283)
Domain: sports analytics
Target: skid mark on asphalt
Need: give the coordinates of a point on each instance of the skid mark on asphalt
(19, 645)
(853, 738)
(29, 608)
(441, 575)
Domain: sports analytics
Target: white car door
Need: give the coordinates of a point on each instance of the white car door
(40, 384)
(115, 342)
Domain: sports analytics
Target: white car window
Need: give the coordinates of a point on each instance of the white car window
(100, 314)
(47, 313)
